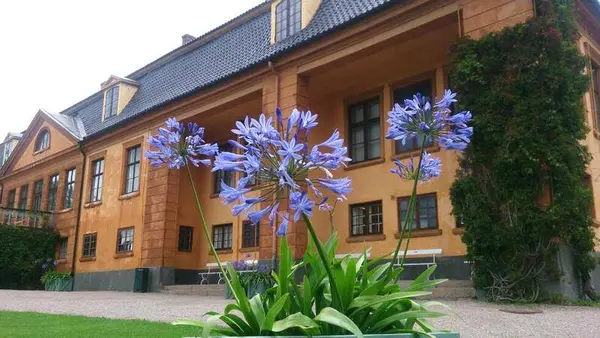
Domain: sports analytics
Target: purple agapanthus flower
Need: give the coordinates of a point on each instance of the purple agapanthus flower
(177, 145)
(280, 159)
(419, 118)
(430, 168)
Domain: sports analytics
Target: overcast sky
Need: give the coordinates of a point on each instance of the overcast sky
(56, 53)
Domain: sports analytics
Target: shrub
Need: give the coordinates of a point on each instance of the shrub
(20, 250)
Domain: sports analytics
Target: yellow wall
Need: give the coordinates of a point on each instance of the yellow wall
(59, 141)
(116, 210)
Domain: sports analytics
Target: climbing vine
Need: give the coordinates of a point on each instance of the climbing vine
(520, 188)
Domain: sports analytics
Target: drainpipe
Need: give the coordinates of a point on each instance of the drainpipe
(80, 209)
(274, 240)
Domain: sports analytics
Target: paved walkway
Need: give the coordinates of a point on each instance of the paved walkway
(470, 318)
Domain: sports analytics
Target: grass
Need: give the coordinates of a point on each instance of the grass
(33, 324)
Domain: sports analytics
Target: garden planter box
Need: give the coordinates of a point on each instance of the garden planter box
(59, 285)
(251, 290)
(393, 335)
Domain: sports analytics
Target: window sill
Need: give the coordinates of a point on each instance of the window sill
(222, 251)
(40, 151)
(64, 211)
(458, 231)
(365, 164)
(129, 195)
(408, 154)
(61, 261)
(366, 238)
(250, 249)
(421, 233)
(123, 255)
(87, 259)
(92, 204)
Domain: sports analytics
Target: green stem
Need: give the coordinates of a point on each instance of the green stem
(335, 295)
(206, 231)
(409, 214)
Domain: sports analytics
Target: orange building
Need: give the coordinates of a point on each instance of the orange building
(83, 169)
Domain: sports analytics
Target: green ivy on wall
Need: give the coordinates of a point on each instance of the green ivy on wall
(520, 188)
(20, 248)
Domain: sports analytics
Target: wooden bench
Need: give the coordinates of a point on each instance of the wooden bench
(426, 252)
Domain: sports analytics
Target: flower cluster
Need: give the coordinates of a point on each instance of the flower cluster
(47, 263)
(418, 119)
(281, 160)
(430, 168)
(177, 145)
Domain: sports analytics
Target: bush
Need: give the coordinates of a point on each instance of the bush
(20, 251)
(520, 187)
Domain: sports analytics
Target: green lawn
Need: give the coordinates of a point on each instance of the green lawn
(32, 324)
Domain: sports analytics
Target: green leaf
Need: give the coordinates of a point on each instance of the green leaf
(402, 316)
(210, 323)
(231, 307)
(242, 299)
(273, 312)
(257, 308)
(362, 302)
(374, 274)
(307, 297)
(237, 324)
(285, 258)
(425, 275)
(296, 320)
(425, 285)
(334, 317)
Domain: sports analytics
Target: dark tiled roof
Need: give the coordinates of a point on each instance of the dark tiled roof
(230, 53)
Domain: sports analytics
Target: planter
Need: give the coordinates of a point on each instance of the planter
(392, 335)
(62, 285)
(251, 290)
(256, 289)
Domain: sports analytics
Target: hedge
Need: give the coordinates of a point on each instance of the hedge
(20, 248)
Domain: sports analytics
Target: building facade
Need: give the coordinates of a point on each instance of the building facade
(348, 61)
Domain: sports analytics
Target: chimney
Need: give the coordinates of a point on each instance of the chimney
(186, 38)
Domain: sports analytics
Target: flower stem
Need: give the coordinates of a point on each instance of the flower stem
(335, 295)
(409, 215)
(206, 231)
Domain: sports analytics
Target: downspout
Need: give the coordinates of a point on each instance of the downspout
(80, 209)
(274, 240)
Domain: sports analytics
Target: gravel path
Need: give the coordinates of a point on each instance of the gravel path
(469, 317)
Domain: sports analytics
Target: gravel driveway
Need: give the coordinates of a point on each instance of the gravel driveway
(469, 317)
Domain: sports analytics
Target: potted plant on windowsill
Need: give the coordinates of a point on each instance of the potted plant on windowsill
(336, 296)
(55, 280)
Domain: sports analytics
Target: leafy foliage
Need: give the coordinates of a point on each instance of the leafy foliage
(53, 275)
(20, 250)
(369, 303)
(520, 187)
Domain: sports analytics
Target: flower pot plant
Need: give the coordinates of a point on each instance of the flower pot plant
(335, 296)
(54, 280)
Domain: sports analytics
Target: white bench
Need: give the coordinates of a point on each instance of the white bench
(425, 252)
(351, 255)
(213, 269)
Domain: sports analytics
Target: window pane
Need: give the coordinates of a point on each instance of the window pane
(373, 110)
(357, 114)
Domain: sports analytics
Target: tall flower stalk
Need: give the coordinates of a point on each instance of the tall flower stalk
(419, 119)
(282, 161)
(177, 146)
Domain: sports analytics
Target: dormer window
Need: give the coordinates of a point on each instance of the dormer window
(111, 101)
(288, 20)
(43, 140)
